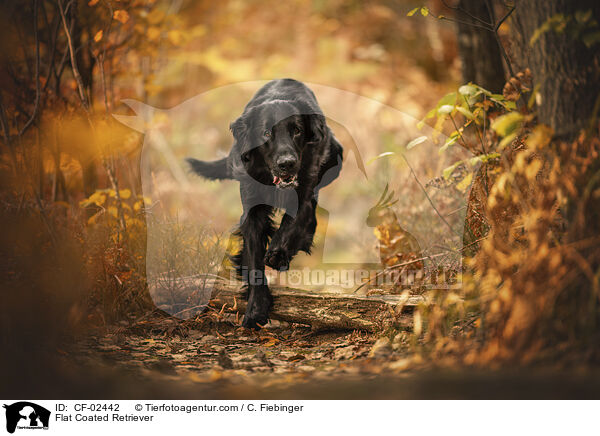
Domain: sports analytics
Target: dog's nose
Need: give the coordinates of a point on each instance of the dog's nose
(286, 163)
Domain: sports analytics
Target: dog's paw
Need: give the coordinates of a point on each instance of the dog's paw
(257, 311)
(277, 259)
(253, 324)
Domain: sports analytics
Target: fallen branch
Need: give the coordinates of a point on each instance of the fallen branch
(325, 310)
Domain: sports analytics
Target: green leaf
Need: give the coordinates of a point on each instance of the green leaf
(431, 113)
(466, 112)
(483, 158)
(449, 98)
(445, 109)
(506, 124)
(448, 171)
(483, 90)
(373, 159)
(508, 139)
(467, 90)
(416, 142)
(424, 11)
(412, 12)
(450, 141)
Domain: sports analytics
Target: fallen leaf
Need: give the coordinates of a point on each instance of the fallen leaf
(296, 357)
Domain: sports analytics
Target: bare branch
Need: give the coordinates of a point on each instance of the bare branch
(76, 75)
(37, 70)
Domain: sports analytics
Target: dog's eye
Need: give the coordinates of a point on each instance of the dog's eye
(246, 157)
(267, 133)
(297, 130)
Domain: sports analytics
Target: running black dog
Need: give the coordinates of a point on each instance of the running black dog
(283, 153)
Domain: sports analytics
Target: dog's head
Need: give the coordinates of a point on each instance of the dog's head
(274, 138)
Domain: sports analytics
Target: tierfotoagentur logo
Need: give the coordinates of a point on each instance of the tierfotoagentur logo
(25, 415)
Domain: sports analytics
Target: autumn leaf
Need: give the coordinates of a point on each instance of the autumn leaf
(93, 2)
(98, 36)
(153, 33)
(465, 183)
(155, 17)
(121, 15)
(175, 37)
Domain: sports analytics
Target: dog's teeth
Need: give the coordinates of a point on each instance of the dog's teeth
(276, 180)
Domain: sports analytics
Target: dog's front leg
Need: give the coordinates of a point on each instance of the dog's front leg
(293, 235)
(256, 229)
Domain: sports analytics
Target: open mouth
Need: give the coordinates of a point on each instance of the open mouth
(285, 181)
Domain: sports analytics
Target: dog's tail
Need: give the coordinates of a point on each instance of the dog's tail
(215, 170)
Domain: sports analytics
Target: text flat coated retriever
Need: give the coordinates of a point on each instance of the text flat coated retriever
(283, 153)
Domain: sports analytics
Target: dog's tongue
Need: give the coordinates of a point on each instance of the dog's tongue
(276, 180)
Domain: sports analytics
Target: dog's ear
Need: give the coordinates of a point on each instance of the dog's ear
(240, 130)
(317, 127)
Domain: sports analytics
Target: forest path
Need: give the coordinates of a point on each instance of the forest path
(219, 353)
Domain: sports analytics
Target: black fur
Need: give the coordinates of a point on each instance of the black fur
(283, 153)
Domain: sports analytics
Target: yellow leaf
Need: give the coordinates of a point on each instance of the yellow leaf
(156, 16)
(97, 198)
(93, 2)
(465, 183)
(125, 193)
(271, 342)
(92, 219)
(175, 36)
(506, 124)
(198, 31)
(98, 36)
(153, 33)
(540, 137)
(121, 15)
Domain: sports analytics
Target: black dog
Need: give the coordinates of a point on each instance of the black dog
(283, 153)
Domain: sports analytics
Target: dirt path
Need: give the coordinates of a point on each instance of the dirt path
(206, 351)
(212, 359)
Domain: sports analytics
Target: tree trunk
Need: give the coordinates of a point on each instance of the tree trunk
(478, 49)
(565, 69)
